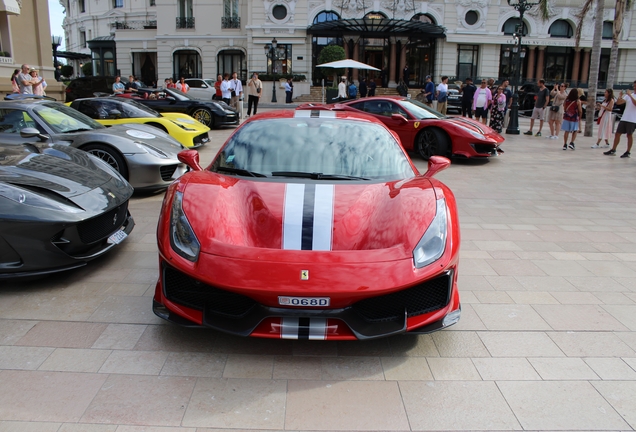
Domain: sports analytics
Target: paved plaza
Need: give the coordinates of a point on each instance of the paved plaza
(546, 341)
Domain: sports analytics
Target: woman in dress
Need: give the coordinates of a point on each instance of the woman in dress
(555, 117)
(572, 112)
(498, 110)
(605, 118)
(14, 82)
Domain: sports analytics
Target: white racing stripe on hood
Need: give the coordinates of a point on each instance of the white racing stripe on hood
(323, 217)
(317, 113)
(293, 216)
(308, 216)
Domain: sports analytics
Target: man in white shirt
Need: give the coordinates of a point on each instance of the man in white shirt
(481, 102)
(226, 90)
(627, 125)
(342, 89)
(237, 86)
(442, 95)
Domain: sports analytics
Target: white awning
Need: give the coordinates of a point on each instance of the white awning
(10, 7)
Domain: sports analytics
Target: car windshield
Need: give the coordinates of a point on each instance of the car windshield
(133, 109)
(420, 111)
(209, 82)
(63, 119)
(178, 94)
(315, 148)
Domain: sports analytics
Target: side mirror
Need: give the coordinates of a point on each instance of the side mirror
(435, 165)
(399, 117)
(114, 114)
(30, 132)
(191, 159)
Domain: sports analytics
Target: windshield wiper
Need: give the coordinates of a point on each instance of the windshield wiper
(316, 176)
(240, 171)
(77, 130)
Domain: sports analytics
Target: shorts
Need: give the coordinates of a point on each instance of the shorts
(569, 126)
(625, 127)
(481, 112)
(537, 114)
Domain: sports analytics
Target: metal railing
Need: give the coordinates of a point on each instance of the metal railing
(185, 23)
(230, 22)
(135, 25)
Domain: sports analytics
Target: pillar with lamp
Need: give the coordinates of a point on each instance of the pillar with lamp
(274, 53)
(519, 52)
(56, 41)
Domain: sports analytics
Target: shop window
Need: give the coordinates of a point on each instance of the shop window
(608, 30)
(187, 64)
(561, 29)
(230, 61)
(467, 56)
(283, 62)
(375, 16)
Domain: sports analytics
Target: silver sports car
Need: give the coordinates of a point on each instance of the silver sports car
(143, 155)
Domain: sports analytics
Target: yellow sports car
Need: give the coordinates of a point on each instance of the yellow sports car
(111, 111)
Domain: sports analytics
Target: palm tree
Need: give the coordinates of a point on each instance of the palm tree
(619, 15)
(595, 58)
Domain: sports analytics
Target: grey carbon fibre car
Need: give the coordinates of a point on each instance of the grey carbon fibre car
(59, 207)
(143, 155)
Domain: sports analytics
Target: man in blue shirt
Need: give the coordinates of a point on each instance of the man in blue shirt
(353, 91)
(429, 91)
(118, 87)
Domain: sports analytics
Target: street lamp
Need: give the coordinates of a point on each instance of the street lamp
(521, 6)
(272, 53)
(56, 41)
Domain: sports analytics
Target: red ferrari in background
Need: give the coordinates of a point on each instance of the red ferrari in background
(309, 225)
(423, 129)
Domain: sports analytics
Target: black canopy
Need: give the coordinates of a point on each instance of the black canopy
(377, 28)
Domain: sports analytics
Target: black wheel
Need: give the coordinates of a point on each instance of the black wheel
(158, 126)
(432, 142)
(204, 116)
(110, 156)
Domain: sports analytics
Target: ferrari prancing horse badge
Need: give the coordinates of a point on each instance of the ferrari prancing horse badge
(304, 275)
(416, 124)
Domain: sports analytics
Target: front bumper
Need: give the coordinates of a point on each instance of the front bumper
(427, 306)
(147, 172)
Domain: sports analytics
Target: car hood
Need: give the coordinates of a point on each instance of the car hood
(63, 174)
(229, 214)
(477, 127)
(125, 136)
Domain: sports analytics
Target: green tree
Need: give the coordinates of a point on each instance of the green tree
(87, 69)
(330, 54)
(67, 70)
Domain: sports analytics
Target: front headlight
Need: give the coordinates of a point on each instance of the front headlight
(431, 247)
(26, 197)
(182, 238)
(475, 134)
(151, 149)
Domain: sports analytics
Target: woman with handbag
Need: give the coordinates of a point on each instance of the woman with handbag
(555, 114)
(605, 118)
(572, 112)
(498, 110)
(254, 92)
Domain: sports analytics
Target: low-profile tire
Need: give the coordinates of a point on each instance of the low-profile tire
(432, 142)
(204, 116)
(109, 155)
(158, 126)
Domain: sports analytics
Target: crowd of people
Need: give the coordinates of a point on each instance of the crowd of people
(27, 81)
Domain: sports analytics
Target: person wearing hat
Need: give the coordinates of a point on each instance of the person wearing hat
(26, 81)
(38, 89)
(342, 89)
(429, 91)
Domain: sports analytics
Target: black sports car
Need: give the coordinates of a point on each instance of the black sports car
(59, 208)
(210, 113)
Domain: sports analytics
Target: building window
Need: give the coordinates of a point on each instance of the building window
(82, 35)
(471, 17)
(187, 64)
(423, 18)
(375, 16)
(231, 18)
(608, 30)
(512, 25)
(561, 29)
(467, 56)
(153, 3)
(230, 61)
(185, 15)
(82, 6)
(118, 4)
(279, 12)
